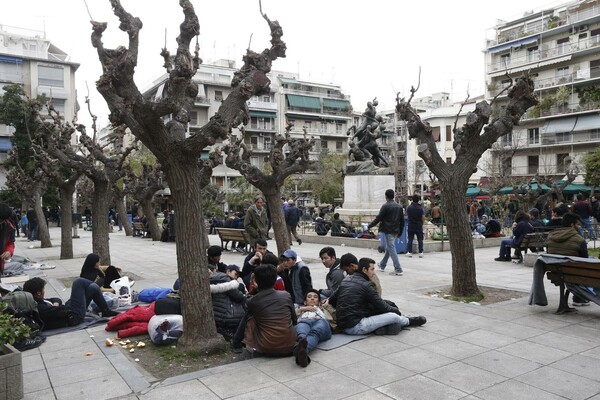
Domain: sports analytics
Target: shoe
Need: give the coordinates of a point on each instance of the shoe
(408, 254)
(110, 313)
(392, 329)
(396, 273)
(515, 257)
(237, 350)
(502, 259)
(302, 358)
(420, 255)
(251, 353)
(417, 321)
(380, 268)
(583, 304)
(299, 242)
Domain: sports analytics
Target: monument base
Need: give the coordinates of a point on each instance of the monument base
(363, 197)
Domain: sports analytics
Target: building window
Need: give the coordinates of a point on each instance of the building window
(562, 46)
(448, 133)
(323, 127)
(51, 76)
(594, 36)
(507, 140)
(435, 133)
(59, 105)
(534, 135)
(563, 137)
(561, 73)
(253, 142)
(563, 161)
(254, 162)
(533, 54)
(595, 134)
(193, 118)
(324, 146)
(266, 99)
(267, 143)
(11, 72)
(339, 146)
(533, 163)
(505, 60)
(261, 123)
(506, 167)
(308, 125)
(218, 95)
(338, 128)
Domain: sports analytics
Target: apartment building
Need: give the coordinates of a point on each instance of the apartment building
(29, 59)
(323, 110)
(560, 47)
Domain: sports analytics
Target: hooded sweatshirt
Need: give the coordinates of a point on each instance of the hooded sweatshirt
(567, 242)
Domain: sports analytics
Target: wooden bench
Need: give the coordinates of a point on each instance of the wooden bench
(140, 229)
(237, 235)
(536, 240)
(572, 272)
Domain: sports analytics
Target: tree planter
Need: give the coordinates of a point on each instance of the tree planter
(11, 373)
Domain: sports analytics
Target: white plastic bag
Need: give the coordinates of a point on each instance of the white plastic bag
(165, 329)
(122, 288)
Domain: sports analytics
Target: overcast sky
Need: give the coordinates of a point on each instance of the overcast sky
(371, 48)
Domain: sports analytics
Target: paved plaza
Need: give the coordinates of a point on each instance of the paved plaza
(507, 350)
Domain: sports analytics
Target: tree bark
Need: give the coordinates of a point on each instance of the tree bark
(66, 219)
(100, 207)
(122, 211)
(151, 219)
(43, 233)
(280, 233)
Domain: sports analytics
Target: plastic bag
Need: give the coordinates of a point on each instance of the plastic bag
(165, 329)
(122, 288)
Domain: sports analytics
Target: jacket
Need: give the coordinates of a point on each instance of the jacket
(297, 281)
(356, 299)
(271, 321)
(255, 224)
(523, 228)
(333, 279)
(133, 322)
(415, 213)
(7, 234)
(227, 301)
(391, 216)
(292, 215)
(567, 242)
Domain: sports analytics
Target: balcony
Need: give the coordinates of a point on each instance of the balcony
(262, 105)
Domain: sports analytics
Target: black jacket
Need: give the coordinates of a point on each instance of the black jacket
(227, 300)
(356, 299)
(391, 216)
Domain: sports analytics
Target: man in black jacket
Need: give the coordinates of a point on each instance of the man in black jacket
(391, 217)
(360, 311)
(335, 276)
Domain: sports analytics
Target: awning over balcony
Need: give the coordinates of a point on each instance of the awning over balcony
(517, 43)
(304, 101)
(562, 125)
(334, 103)
(263, 114)
(554, 60)
(13, 60)
(587, 122)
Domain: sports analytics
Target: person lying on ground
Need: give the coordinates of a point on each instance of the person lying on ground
(312, 327)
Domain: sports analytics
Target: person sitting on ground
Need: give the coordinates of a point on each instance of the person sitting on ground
(492, 227)
(312, 327)
(360, 310)
(295, 274)
(521, 228)
(103, 275)
(340, 228)
(567, 241)
(228, 300)
(254, 259)
(56, 315)
(271, 317)
(334, 277)
(213, 255)
(349, 264)
(321, 226)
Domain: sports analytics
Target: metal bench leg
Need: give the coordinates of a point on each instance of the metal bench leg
(563, 305)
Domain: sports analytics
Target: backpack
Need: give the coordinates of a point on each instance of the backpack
(21, 304)
(321, 228)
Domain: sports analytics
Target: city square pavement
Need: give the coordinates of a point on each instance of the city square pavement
(507, 350)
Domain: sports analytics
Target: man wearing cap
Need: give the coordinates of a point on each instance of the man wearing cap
(296, 276)
(391, 217)
(292, 218)
(7, 235)
(360, 310)
(255, 221)
(213, 254)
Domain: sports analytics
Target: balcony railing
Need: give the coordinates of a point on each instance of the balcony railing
(570, 108)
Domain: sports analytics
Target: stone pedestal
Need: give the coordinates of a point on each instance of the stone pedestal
(363, 197)
(11, 373)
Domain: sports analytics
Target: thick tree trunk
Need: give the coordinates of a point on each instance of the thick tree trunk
(198, 322)
(43, 232)
(66, 222)
(151, 219)
(122, 212)
(282, 238)
(464, 282)
(100, 207)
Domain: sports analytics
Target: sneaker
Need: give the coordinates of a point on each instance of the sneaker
(396, 273)
(408, 254)
(417, 321)
(380, 268)
(392, 329)
(502, 259)
(302, 358)
(299, 242)
(583, 304)
(237, 350)
(420, 255)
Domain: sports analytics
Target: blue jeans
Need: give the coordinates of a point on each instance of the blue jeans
(314, 330)
(83, 292)
(390, 252)
(369, 324)
(505, 247)
(588, 224)
(411, 234)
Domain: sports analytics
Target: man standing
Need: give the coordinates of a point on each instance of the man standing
(292, 218)
(584, 210)
(391, 220)
(415, 213)
(255, 221)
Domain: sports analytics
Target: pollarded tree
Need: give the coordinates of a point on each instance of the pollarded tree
(476, 136)
(180, 156)
(282, 163)
(592, 169)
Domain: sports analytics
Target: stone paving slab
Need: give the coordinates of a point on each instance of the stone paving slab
(515, 351)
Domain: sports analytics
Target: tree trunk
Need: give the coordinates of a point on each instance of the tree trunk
(151, 219)
(192, 267)
(464, 282)
(100, 207)
(66, 219)
(122, 212)
(43, 233)
(282, 238)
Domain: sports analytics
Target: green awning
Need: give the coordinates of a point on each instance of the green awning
(574, 188)
(334, 103)
(204, 155)
(262, 114)
(288, 80)
(523, 188)
(304, 101)
(473, 191)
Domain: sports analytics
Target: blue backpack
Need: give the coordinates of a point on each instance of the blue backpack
(149, 295)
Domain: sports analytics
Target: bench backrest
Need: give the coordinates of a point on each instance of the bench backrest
(537, 239)
(232, 234)
(579, 273)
